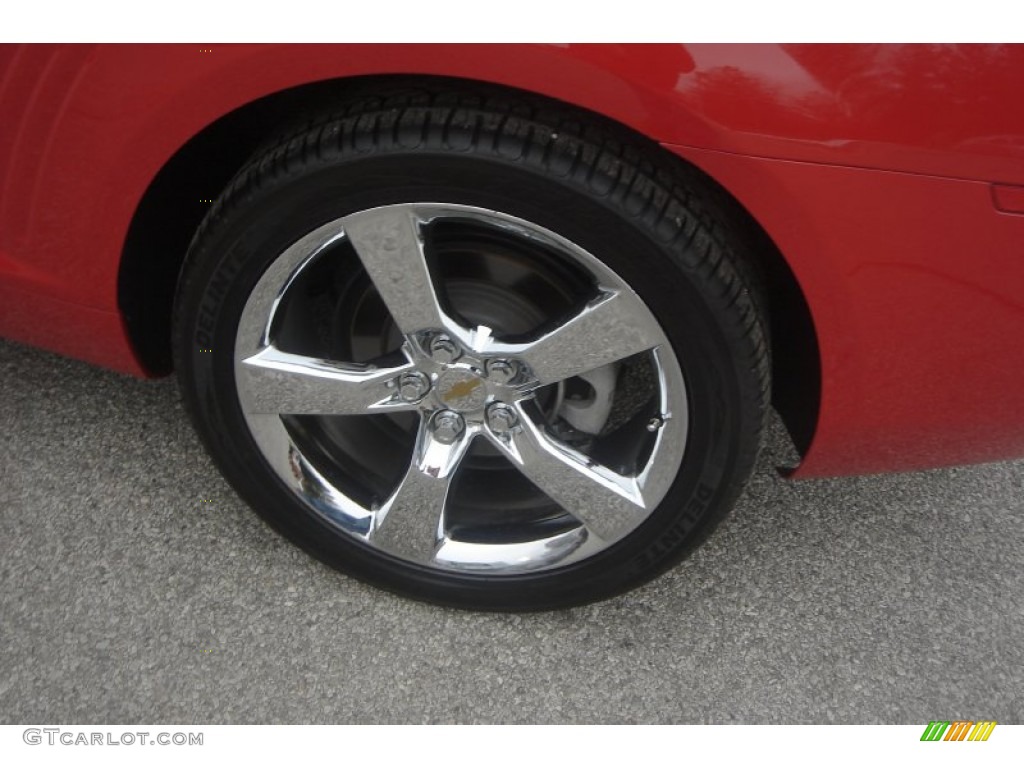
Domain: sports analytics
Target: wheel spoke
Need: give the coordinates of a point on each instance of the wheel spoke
(273, 381)
(610, 328)
(411, 522)
(607, 503)
(390, 246)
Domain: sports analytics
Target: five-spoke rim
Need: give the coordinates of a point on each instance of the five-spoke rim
(464, 383)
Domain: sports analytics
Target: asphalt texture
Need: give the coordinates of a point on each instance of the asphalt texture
(136, 587)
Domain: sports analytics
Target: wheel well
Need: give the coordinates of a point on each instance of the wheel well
(173, 207)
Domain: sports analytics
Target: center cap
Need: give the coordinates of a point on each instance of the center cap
(461, 390)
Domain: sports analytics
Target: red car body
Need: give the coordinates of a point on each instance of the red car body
(889, 178)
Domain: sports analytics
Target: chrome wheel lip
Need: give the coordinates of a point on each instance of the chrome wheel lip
(524, 445)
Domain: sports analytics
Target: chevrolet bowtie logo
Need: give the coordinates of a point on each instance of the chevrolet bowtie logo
(461, 389)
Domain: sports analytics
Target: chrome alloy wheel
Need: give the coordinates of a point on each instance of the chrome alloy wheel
(459, 396)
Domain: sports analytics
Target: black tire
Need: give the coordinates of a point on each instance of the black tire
(640, 213)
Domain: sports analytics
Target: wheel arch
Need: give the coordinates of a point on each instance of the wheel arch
(168, 216)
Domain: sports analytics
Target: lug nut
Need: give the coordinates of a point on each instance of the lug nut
(447, 426)
(501, 418)
(412, 386)
(443, 350)
(502, 371)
